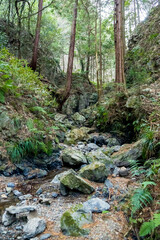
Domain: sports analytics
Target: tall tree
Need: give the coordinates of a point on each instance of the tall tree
(119, 44)
(33, 63)
(70, 56)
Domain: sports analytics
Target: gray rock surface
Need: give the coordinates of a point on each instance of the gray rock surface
(96, 205)
(34, 227)
(73, 157)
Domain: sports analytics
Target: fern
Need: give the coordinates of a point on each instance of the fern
(140, 198)
(148, 227)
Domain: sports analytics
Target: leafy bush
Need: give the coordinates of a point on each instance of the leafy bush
(151, 226)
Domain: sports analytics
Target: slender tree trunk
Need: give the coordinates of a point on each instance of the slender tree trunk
(33, 63)
(65, 95)
(119, 46)
(88, 54)
(100, 51)
(96, 50)
(135, 14)
(138, 11)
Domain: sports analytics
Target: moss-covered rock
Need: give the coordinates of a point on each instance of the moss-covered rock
(73, 157)
(128, 152)
(72, 221)
(77, 134)
(78, 118)
(96, 171)
(74, 182)
(99, 156)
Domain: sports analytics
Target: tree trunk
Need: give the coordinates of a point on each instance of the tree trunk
(119, 46)
(96, 51)
(100, 51)
(33, 63)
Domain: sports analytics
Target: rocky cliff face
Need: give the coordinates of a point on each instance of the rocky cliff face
(143, 56)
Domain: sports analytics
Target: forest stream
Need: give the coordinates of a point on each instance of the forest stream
(51, 203)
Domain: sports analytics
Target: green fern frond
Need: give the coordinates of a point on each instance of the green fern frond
(146, 228)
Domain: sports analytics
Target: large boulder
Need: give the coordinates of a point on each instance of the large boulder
(34, 227)
(74, 182)
(128, 152)
(77, 134)
(72, 221)
(73, 157)
(99, 156)
(96, 171)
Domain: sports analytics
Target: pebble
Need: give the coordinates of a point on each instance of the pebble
(45, 236)
(11, 185)
(17, 193)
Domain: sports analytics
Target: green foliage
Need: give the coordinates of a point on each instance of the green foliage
(149, 143)
(38, 109)
(3, 40)
(149, 227)
(29, 147)
(141, 197)
(102, 117)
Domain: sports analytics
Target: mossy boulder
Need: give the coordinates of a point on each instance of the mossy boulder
(77, 134)
(133, 102)
(73, 157)
(96, 171)
(128, 152)
(99, 156)
(73, 220)
(74, 182)
(78, 118)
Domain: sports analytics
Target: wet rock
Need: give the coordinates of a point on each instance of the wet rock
(72, 221)
(75, 182)
(45, 201)
(73, 157)
(128, 152)
(45, 236)
(123, 172)
(95, 205)
(105, 192)
(34, 227)
(95, 171)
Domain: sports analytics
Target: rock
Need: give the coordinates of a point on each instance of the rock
(108, 184)
(112, 142)
(96, 205)
(45, 236)
(75, 182)
(73, 157)
(17, 193)
(39, 191)
(123, 172)
(60, 117)
(72, 221)
(96, 171)
(77, 134)
(45, 201)
(56, 179)
(78, 119)
(98, 140)
(133, 102)
(11, 185)
(25, 197)
(3, 196)
(92, 146)
(55, 195)
(98, 155)
(9, 215)
(128, 152)
(34, 227)
(64, 190)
